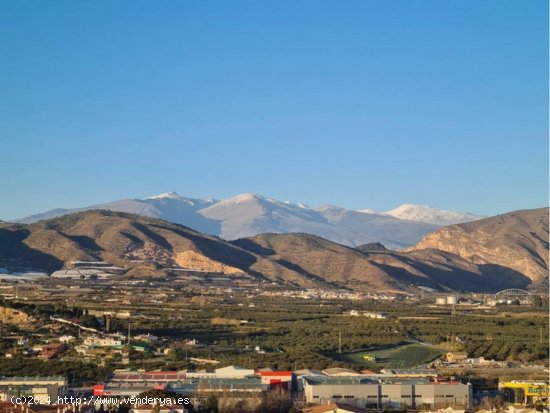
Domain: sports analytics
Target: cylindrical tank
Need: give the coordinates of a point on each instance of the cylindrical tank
(440, 301)
(451, 299)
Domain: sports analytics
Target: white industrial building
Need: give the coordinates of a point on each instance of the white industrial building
(38, 387)
(415, 393)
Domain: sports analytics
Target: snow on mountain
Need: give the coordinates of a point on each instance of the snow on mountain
(170, 207)
(166, 195)
(360, 228)
(251, 214)
(423, 213)
(368, 211)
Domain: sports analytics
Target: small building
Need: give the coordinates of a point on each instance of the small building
(22, 341)
(379, 316)
(148, 338)
(66, 339)
(50, 351)
(278, 379)
(479, 360)
(94, 341)
(456, 357)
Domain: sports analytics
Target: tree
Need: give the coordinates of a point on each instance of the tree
(211, 404)
(490, 403)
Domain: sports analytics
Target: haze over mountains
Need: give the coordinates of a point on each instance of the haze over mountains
(146, 246)
(251, 214)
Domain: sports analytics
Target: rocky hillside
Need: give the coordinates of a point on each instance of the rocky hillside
(517, 241)
(513, 252)
(123, 239)
(317, 258)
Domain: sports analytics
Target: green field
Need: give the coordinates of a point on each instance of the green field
(405, 356)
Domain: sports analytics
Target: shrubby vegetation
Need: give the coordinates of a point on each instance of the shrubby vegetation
(78, 372)
(299, 334)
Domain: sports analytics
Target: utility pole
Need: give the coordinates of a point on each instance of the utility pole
(540, 329)
(339, 342)
(128, 333)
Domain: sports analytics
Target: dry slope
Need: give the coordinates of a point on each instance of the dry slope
(517, 240)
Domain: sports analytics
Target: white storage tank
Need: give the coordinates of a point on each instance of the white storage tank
(451, 299)
(441, 301)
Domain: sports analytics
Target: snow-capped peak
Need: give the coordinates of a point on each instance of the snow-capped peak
(424, 213)
(246, 197)
(166, 195)
(368, 211)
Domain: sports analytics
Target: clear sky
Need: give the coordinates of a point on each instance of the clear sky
(361, 104)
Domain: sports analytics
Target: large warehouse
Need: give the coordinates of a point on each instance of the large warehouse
(416, 393)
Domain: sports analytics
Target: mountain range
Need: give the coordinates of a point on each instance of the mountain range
(252, 214)
(460, 257)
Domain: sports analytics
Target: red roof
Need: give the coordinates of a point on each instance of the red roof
(53, 346)
(276, 373)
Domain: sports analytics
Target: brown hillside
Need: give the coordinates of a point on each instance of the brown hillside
(506, 251)
(317, 258)
(517, 241)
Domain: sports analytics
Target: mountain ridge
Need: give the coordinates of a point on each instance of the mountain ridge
(249, 214)
(424, 213)
(145, 245)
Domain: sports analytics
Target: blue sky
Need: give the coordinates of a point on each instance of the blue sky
(362, 104)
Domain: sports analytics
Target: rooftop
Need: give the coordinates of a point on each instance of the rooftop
(32, 379)
(339, 380)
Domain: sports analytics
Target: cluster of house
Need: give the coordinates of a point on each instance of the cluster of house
(46, 352)
(332, 294)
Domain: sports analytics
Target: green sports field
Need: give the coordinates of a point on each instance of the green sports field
(404, 356)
